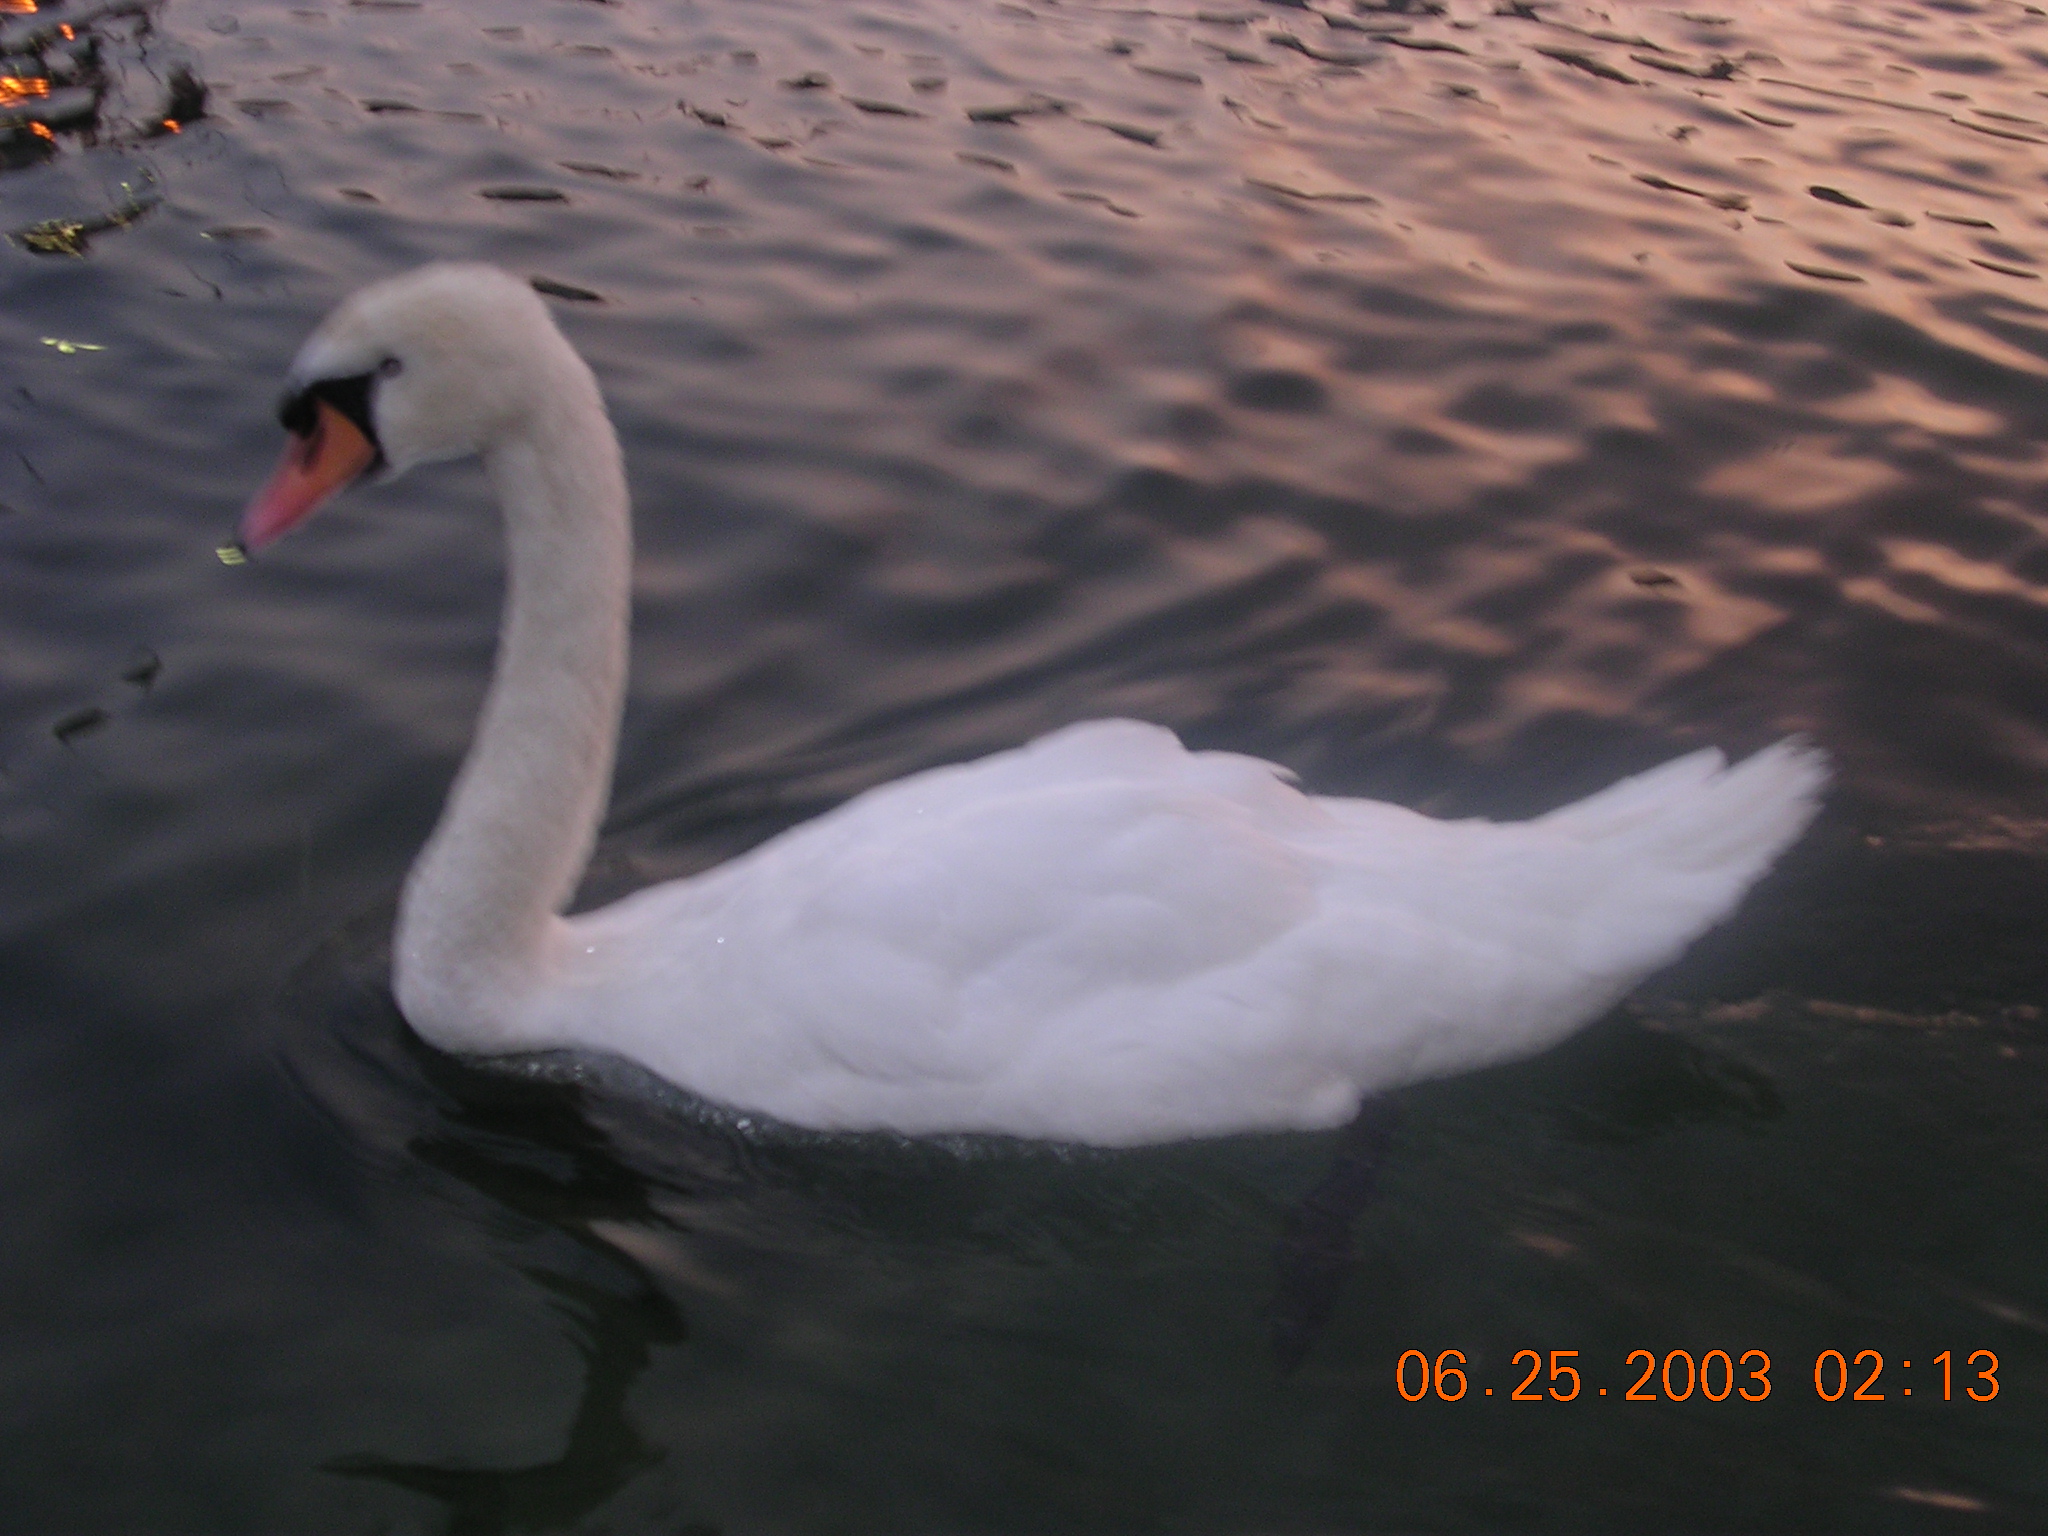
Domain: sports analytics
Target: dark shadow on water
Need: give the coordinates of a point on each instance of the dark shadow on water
(549, 1164)
(524, 1159)
(1636, 1083)
(507, 1141)
(1315, 1254)
(615, 1335)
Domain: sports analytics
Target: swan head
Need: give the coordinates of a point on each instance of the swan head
(438, 363)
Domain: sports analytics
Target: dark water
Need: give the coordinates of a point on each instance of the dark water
(1462, 406)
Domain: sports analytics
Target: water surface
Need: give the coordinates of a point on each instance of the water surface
(1462, 405)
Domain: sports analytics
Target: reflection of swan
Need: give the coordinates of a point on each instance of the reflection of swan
(1099, 936)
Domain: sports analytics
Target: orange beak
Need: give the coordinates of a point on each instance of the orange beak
(312, 469)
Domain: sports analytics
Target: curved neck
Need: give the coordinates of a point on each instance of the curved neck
(479, 906)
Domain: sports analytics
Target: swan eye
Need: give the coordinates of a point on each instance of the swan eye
(298, 412)
(388, 367)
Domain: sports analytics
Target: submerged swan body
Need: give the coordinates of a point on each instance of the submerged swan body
(1098, 937)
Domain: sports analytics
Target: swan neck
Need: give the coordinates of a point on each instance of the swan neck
(480, 911)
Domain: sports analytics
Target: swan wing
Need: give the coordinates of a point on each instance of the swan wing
(925, 944)
(1104, 937)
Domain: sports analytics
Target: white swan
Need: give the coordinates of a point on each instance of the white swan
(1099, 937)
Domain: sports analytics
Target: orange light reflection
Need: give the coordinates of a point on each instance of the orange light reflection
(15, 89)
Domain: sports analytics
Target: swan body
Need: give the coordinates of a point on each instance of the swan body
(1097, 937)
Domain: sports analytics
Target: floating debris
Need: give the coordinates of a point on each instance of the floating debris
(231, 554)
(237, 232)
(560, 290)
(69, 347)
(54, 237)
(55, 80)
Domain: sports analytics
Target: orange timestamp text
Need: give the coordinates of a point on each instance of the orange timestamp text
(1716, 1376)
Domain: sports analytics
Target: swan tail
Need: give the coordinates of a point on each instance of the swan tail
(1698, 815)
(1681, 845)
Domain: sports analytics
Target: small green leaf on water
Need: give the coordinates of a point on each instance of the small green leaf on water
(231, 554)
(55, 237)
(69, 347)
